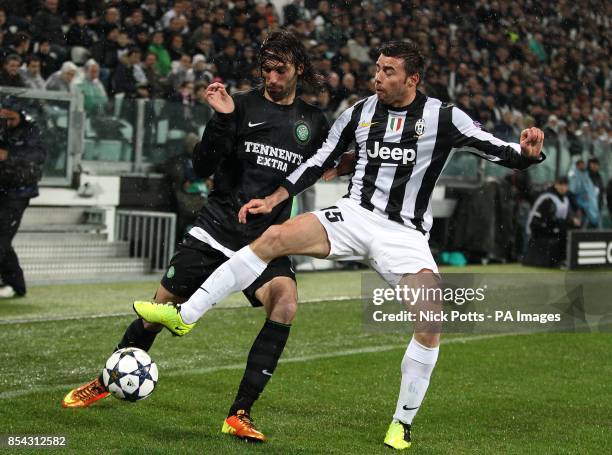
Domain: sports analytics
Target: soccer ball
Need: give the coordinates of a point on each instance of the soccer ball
(130, 374)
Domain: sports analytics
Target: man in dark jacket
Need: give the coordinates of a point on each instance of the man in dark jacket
(21, 159)
(124, 79)
(549, 220)
(47, 24)
(80, 33)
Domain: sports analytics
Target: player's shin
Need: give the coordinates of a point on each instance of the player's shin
(236, 274)
(137, 336)
(417, 366)
(261, 363)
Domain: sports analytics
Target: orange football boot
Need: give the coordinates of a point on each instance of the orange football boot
(241, 426)
(85, 395)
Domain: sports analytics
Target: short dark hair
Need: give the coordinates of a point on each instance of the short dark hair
(593, 160)
(11, 58)
(32, 58)
(414, 62)
(284, 47)
(562, 180)
(21, 37)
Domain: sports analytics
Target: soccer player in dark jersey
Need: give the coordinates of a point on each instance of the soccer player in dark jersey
(403, 139)
(254, 140)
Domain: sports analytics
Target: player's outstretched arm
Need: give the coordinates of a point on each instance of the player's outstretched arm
(255, 206)
(464, 132)
(307, 173)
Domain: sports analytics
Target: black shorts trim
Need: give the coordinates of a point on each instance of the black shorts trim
(195, 261)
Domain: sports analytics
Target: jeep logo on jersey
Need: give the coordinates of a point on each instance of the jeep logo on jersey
(391, 153)
(302, 132)
(419, 127)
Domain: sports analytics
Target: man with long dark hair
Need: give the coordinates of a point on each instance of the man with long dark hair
(252, 143)
(403, 139)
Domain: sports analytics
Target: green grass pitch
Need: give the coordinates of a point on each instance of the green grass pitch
(334, 391)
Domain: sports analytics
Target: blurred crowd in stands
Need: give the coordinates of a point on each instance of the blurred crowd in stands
(508, 64)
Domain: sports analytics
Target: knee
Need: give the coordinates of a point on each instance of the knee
(152, 327)
(283, 309)
(427, 339)
(162, 295)
(275, 239)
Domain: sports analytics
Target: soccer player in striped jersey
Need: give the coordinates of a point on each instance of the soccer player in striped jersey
(403, 140)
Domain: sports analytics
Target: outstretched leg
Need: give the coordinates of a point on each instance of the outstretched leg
(301, 235)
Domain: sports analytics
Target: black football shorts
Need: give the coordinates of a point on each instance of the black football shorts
(195, 261)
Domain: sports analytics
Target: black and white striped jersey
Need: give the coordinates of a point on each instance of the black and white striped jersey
(401, 153)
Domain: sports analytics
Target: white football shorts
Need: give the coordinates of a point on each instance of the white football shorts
(391, 248)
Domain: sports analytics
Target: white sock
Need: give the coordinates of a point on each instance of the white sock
(236, 274)
(417, 365)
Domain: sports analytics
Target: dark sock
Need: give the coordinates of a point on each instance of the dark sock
(136, 336)
(265, 352)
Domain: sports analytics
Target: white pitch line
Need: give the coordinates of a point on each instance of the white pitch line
(128, 313)
(62, 318)
(240, 366)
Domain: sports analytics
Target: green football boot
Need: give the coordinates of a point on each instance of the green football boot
(398, 436)
(166, 314)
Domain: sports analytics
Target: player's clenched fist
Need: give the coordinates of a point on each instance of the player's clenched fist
(532, 140)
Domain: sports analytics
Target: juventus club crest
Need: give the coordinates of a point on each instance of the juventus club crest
(419, 127)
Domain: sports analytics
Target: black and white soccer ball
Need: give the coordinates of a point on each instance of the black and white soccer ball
(130, 374)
